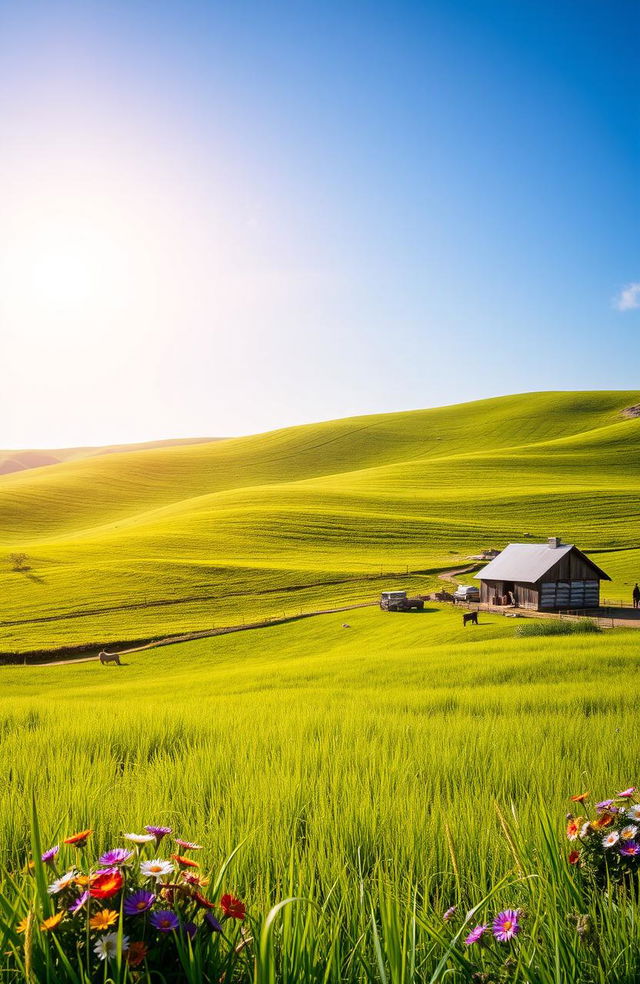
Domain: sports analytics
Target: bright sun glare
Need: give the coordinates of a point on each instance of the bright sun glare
(70, 271)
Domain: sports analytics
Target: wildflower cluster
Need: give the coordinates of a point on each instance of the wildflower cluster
(133, 906)
(606, 840)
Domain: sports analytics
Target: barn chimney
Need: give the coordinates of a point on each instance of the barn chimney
(554, 541)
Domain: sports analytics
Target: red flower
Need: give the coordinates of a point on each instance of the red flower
(574, 857)
(232, 907)
(105, 884)
(78, 840)
(136, 953)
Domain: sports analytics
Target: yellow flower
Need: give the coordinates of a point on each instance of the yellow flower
(22, 926)
(103, 919)
(53, 922)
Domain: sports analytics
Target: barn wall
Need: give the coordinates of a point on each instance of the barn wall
(571, 567)
(527, 596)
(488, 591)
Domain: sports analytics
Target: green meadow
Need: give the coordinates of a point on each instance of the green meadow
(149, 542)
(360, 767)
(376, 773)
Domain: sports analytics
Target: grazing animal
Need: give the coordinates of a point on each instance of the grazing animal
(471, 617)
(110, 658)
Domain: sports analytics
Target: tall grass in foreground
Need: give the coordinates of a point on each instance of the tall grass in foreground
(372, 928)
(361, 770)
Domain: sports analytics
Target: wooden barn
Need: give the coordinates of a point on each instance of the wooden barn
(548, 576)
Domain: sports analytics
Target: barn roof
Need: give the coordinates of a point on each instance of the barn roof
(528, 562)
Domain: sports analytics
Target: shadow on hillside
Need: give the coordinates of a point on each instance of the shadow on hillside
(35, 578)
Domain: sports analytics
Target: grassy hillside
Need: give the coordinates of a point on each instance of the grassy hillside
(393, 729)
(175, 538)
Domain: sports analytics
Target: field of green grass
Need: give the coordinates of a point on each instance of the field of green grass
(150, 542)
(340, 757)
(383, 772)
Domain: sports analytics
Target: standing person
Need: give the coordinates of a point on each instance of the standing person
(636, 596)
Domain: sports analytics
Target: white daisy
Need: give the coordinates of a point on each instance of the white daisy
(611, 839)
(139, 838)
(634, 812)
(106, 947)
(63, 882)
(156, 869)
(629, 832)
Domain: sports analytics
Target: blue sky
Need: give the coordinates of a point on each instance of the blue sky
(246, 215)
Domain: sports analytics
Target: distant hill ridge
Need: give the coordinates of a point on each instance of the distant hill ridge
(12, 461)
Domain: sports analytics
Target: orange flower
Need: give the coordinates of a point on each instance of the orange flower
(573, 828)
(604, 820)
(105, 884)
(232, 907)
(185, 862)
(53, 922)
(136, 954)
(78, 840)
(82, 880)
(103, 919)
(574, 857)
(581, 798)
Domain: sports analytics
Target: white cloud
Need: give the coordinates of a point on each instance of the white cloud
(628, 298)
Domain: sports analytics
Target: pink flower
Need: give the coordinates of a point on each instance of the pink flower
(506, 925)
(476, 935)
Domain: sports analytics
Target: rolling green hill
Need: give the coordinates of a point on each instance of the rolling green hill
(167, 539)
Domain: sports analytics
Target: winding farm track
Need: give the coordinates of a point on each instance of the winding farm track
(208, 633)
(452, 575)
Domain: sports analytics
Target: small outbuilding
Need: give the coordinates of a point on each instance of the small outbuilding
(548, 576)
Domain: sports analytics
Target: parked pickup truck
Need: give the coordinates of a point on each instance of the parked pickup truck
(397, 601)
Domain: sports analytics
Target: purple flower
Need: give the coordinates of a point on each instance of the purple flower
(48, 856)
(630, 849)
(603, 806)
(119, 855)
(450, 911)
(164, 920)
(79, 902)
(506, 925)
(158, 832)
(627, 793)
(190, 929)
(476, 935)
(138, 902)
(212, 923)
(115, 857)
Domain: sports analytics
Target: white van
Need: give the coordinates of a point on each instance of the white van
(467, 592)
